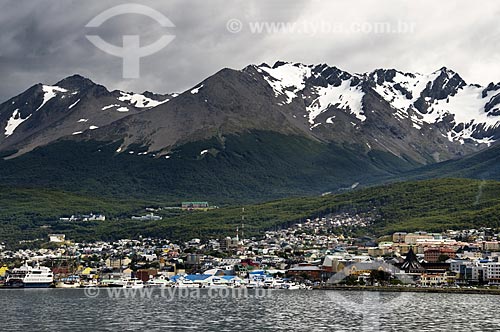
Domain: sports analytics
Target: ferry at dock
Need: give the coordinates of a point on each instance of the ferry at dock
(28, 276)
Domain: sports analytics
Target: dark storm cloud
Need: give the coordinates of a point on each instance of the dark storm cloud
(44, 41)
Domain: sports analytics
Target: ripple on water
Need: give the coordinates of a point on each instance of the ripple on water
(71, 310)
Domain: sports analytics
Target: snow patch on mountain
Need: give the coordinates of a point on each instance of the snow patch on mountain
(315, 125)
(467, 107)
(414, 84)
(109, 106)
(72, 105)
(328, 87)
(122, 109)
(287, 79)
(14, 122)
(345, 97)
(139, 100)
(49, 92)
(197, 89)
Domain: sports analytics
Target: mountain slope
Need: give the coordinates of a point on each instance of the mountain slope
(254, 166)
(481, 165)
(224, 104)
(434, 205)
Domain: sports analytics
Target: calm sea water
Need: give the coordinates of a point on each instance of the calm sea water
(279, 310)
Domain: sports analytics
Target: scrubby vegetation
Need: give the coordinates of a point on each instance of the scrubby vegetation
(432, 205)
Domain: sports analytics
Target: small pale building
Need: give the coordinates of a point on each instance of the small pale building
(57, 238)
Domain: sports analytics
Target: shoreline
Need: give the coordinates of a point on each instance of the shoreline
(485, 291)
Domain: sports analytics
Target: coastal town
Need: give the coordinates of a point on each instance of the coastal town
(318, 253)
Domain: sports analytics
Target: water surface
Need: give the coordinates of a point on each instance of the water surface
(75, 310)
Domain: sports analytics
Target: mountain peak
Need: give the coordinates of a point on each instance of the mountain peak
(75, 82)
(446, 84)
(382, 75)
(445, 71)
(279, 64)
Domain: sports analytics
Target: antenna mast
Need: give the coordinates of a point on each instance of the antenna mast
(242, 223)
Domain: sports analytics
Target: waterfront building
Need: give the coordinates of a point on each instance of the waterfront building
(492, 272)
(308, 271)
(436, 279)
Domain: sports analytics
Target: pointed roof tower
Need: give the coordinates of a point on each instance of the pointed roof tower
(411, 263)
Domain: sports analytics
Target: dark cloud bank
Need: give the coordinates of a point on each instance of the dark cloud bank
(44, 41)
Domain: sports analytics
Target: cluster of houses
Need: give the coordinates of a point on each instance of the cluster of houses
(317, 250)
(84, 217)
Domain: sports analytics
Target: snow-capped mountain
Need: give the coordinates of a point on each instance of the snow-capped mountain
(425, 118)
(463, 112)
(262, 131)
(422, 117)
(45, 113)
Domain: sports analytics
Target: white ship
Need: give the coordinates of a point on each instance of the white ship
(27, 276)
(133, 283)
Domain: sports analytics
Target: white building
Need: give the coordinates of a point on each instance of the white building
(492, 272)
(94, 217)
(57, 238)
(147, 217)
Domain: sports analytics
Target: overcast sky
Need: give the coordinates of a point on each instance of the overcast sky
(44, 41)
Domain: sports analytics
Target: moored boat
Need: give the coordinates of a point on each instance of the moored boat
(114, 283)
(185, 283)
(133, 283)
(28, 276)
(158, 282)
(290, 286)
(69, 282)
